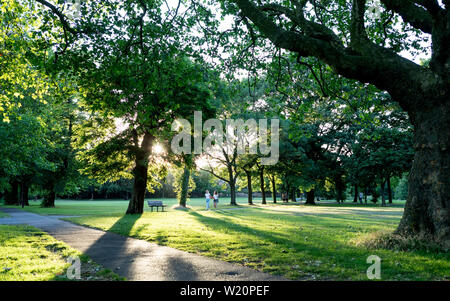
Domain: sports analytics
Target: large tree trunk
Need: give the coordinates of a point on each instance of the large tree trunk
(249, 187)
(184, 186)
(12, 195)
(263, 188)
(49, 199)
(136, 204)
(310, 195)
(427, 209)
(274, 190)
(355, 197)
(24, 188)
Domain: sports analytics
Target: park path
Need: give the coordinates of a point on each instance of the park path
(133, 258)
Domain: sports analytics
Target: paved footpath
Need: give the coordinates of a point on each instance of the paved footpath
(133, 258)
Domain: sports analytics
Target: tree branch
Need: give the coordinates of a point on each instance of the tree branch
(61, 16)
(417, 16)
(357, 31)
(369, 64)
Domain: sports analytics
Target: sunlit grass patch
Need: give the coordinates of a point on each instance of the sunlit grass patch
(27, 253)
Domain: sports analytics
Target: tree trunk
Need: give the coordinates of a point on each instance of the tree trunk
(383, 197)
(374, 194)
(288, 191)
(24, 188)
(136, 204)
(340, 188)
(355, 197)
(310, 195)
(274, 190)
(427, 209)
(263, 188)
(249, 187)
(49, 199)
(388, 181)
(233, 193)
(12, 195)
(293, 194)
(184, 186)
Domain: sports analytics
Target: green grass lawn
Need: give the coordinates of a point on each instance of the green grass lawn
(295, 241)
(26, 253)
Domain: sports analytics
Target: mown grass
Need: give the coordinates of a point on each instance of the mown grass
(26, 253)
(102, 207)
(295, 241)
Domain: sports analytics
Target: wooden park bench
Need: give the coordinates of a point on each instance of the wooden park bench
(156, 204)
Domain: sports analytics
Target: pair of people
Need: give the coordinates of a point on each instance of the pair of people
(214, 197)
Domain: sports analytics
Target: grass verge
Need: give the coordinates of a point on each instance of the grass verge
(26, 253)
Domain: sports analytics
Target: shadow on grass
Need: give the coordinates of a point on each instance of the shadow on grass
(334, 257)
(110, 250)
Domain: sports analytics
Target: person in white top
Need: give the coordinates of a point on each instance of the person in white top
(216, 199)
(207, 196)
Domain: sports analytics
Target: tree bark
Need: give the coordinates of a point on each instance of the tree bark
(249, 187)
(427, 209)
(310, 195)
(136, 204)
(263, 188)
(274, 190)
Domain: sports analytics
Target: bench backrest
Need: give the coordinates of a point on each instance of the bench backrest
(154, 203)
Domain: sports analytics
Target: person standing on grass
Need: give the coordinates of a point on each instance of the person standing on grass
(207, 197)
(216, 199)
(361, 197)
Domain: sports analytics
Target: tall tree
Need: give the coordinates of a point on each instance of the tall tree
(368, 50)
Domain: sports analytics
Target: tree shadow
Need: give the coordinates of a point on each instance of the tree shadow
(117, 251)
(330, 254)
(111, 249)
